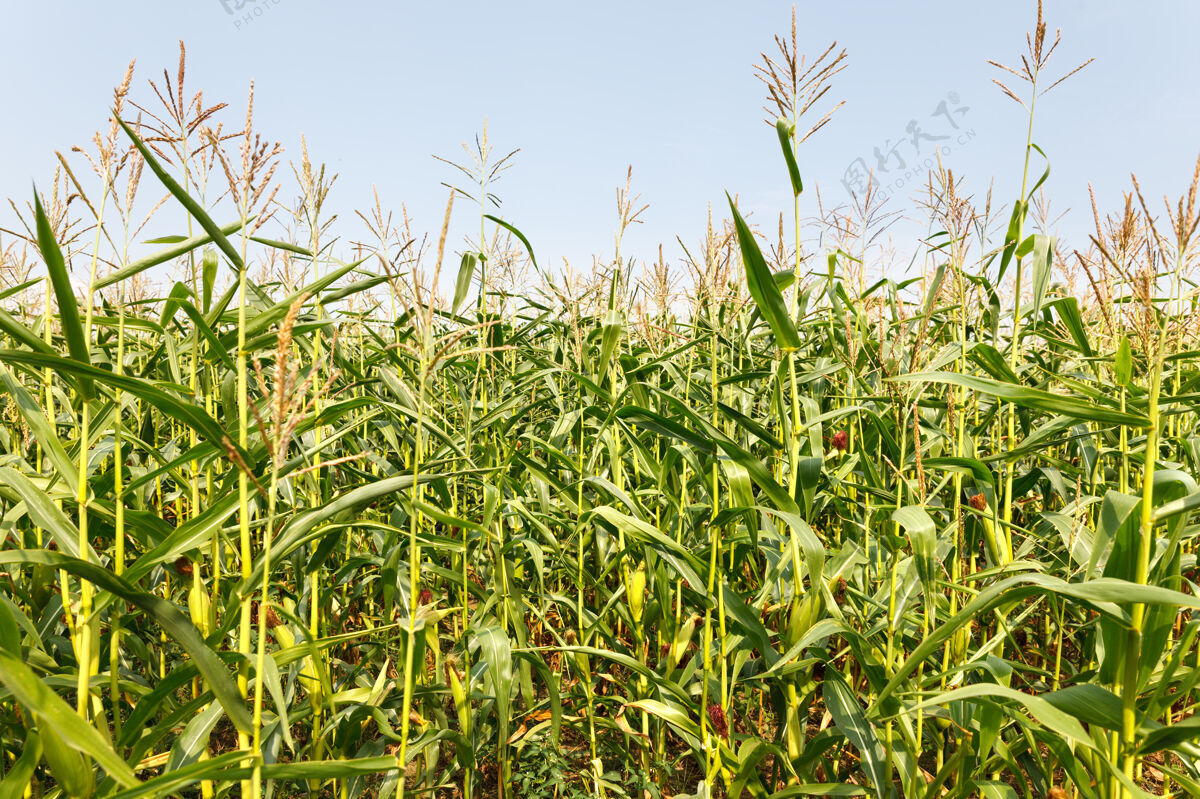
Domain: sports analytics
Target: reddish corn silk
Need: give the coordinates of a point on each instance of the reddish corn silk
(716, 714)
(841, 440)
(426, 596)
(979, 502)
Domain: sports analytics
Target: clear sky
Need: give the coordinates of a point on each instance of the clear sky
(587, 89)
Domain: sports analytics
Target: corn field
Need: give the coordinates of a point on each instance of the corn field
(290, 514)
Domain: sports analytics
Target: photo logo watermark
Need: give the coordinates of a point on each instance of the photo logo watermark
(247, 12)
(894, 164)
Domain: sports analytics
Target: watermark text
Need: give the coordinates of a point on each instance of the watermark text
(895, 164)
(246, 12)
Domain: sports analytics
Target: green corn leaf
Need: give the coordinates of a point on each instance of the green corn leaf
(1032, 398)
(849, 717)
(194, 740)
(785, 130)
(64, 294)
(1043, 266)
(216, 234)
(42, 430)
(181, 248)
(183, 411)
(1123, 363)
(22, 334)
(172, 782)
(762, 286)
(462, 284)
(75, 733)
(44, 512)
(20, 774)
(71, 769)
(496, 651)
(520, 236)
(1045, 713)
(165, 613)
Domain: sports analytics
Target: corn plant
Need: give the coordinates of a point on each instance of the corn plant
(279, 518)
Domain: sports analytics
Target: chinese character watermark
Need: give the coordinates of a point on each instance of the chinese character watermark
(895, 163)
(247, 12)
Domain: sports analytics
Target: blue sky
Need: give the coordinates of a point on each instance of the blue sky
(586, 90)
